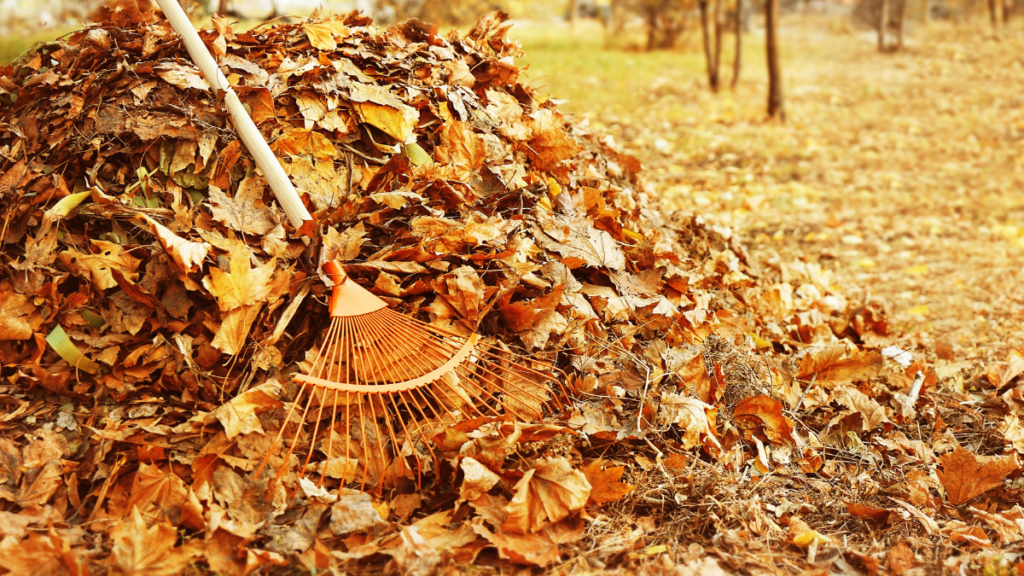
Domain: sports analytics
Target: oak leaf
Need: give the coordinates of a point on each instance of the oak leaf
(965, 475)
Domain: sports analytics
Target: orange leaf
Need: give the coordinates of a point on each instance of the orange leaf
(761, 410)
(965, 475)
(604, 482)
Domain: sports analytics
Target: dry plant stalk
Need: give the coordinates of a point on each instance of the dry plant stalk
(376, 365)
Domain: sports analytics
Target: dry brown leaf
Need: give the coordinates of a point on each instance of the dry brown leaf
(143, 551)
(243, 285)
(763, 413)
(19, 318)
(188, 256)
(97, 267)
(833, 369)
(965, 475)
(239, 416)
(40, 554)
(477, 479)
(604, 482)
(547, 493)
(322, 34)
(686, 412)
(245, 212)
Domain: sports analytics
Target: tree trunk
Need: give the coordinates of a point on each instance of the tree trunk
(883, 25)
(899, 24)
(1007, 11)
(719, 26)
(775, 105)
(993, 12)
(737, 58)
(709, 57)
(222, 7)
(574, 9)
(652, 29)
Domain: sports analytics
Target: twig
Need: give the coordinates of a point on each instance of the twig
(806, 390)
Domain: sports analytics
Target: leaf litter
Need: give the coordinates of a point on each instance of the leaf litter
(726, 415)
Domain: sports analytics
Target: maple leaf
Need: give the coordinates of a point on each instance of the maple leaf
(322, 34)
(143, 551)
(97, 267)
(165, 490)
(353, 512)
(345, 245)
(965, 475)
(547, 493)
(245, 212)
(604, 482)
(550, 144)
(182, 76)
(243, 285)
(305, 142)
(239, 416)
(578, 239)
(234, 328)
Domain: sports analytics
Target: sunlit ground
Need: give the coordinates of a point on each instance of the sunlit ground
(901, 173)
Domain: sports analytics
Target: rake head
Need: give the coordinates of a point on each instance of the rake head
(377, 366)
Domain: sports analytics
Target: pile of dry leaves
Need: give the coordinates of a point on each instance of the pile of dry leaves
(155, 302)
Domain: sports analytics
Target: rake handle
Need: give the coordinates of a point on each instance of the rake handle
(246, 128)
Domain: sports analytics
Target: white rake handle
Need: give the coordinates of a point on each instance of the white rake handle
(247, 131)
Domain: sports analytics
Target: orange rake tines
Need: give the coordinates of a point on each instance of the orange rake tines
(377, 364)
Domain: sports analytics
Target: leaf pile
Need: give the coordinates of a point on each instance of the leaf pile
(156, 302)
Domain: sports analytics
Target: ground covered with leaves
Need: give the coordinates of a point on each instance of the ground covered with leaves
(766, 372)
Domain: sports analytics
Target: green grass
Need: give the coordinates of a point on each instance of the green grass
(14, 45)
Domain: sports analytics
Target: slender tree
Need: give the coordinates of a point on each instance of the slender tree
(574, 9)
(737, 58)
(901, 19)
(995, 14)
(222, 7)
(719, 25)
(711, 58)
(775, 104)
(883, 25)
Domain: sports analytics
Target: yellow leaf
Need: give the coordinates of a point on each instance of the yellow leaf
(392, 121)
(866, 263)
(321, 34)
(921, 310)
(243, 285)
(813, 537)
(917, 270)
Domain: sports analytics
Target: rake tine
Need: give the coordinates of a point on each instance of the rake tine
(375, 359)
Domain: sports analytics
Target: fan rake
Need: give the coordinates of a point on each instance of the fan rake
(377, 365)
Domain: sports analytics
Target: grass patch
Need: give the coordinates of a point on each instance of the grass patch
(14, 45)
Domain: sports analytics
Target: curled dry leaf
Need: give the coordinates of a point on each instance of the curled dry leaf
(547, 493)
